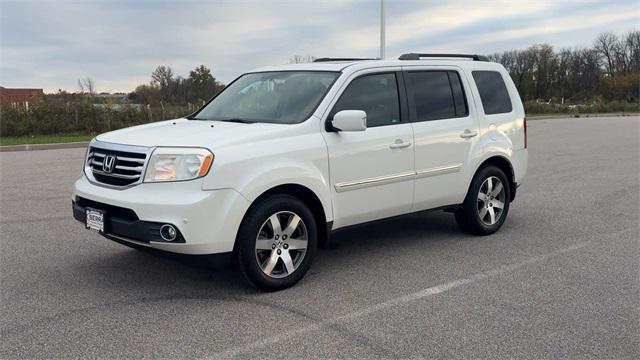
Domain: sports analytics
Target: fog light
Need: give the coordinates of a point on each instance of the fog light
(168, 232)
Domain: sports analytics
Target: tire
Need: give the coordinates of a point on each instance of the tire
(481, 213)
(273, 259)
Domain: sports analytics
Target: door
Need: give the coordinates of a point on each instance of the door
(445, 132)
(371, 171)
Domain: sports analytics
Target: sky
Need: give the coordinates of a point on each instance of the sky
(52, 44)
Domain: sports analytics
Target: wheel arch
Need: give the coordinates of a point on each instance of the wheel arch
(503, 164)
(309, 198)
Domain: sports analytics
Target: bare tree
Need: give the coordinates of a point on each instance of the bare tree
(563, 72)
(632, 46)
(524, 61)
(87, 86)
(587, 72)
(545, 69)
(605, 44)
(162, 76)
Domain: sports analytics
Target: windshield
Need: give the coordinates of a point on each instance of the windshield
(282, 97)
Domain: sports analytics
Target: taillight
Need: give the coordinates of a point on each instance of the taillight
(525, 133)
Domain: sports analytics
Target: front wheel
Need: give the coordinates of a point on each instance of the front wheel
(276, 242)
(487, 203)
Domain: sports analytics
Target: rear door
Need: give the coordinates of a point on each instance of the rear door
(371, 171)
(445, 131)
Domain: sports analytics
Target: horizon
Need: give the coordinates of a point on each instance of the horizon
(50, 45)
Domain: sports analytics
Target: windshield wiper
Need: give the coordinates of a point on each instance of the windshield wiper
(235, 120)
(238, 120)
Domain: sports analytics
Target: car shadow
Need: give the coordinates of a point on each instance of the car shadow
(195, 276)
(404, 229)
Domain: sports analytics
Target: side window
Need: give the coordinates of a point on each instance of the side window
(459, 100)
(437, 95)
(493, 92)
(377, 95)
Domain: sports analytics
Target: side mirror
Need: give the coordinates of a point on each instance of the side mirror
(350, 120)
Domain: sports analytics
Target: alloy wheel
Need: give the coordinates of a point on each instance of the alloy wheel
(491, 200)
(281, 244)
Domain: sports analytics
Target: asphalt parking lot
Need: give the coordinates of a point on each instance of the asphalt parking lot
(561, 279)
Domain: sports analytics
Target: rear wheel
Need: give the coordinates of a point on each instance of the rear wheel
(487, 203)
(276, 242)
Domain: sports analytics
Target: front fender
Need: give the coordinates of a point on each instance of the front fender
(252, 169)
(268, 176)
(268, 179)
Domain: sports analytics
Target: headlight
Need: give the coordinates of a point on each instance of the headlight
(176, 164)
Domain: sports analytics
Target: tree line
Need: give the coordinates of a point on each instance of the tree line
(167, 88)
(607, 71)
(602, 78)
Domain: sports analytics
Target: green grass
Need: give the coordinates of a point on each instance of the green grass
(44, 139)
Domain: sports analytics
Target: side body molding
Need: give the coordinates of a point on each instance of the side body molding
(389, 179)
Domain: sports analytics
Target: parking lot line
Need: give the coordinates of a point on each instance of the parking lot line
(398, 301)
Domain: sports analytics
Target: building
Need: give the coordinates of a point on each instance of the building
(19, 96)
(108, 96)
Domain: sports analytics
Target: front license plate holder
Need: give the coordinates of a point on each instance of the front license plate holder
(95, 219)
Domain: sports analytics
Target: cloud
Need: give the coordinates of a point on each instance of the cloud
(51, 44)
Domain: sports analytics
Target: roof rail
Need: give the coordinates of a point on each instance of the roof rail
(327, 59)
(414, 56)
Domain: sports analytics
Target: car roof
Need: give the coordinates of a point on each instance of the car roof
(355, 65)
(312, 66)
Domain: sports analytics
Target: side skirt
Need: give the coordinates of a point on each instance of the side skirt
(446, 208)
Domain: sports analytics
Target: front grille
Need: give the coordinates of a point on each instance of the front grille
(115, 167)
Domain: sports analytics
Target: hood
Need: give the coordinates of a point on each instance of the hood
(184, 132)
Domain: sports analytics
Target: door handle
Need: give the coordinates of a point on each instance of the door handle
(467, 134)
(399, 144)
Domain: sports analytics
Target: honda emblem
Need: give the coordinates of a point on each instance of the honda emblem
(108, 164)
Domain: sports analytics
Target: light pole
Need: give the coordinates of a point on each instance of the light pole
(382, 30)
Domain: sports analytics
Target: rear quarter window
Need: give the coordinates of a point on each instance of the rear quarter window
(493, 92)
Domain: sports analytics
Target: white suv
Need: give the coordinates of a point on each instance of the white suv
(284, 155)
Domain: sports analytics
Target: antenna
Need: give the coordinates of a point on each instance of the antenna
(382, 30)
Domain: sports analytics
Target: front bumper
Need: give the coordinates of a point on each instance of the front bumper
(122, 223)
(207, 221)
